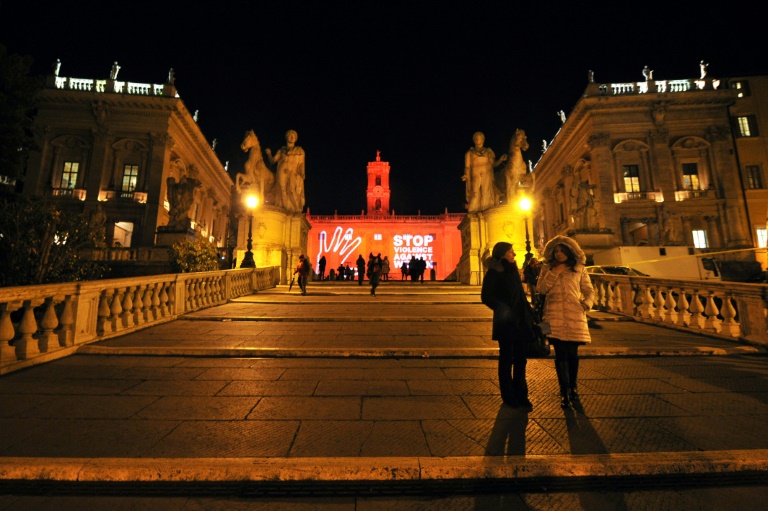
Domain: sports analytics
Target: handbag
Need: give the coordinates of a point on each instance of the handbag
(539, 346)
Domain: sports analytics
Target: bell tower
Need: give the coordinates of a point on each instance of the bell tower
(378, 187)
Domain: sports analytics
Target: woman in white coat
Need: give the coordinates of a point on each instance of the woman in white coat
(569, 295)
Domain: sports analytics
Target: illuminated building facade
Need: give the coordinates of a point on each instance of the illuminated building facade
(342, 238)
(110, 146)
(658, 163)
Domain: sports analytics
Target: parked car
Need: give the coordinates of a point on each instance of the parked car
(616, 270)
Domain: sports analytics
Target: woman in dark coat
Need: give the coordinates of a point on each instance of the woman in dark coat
(503, 292)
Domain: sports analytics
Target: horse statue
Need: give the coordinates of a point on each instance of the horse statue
(513, 173)
(256, 171)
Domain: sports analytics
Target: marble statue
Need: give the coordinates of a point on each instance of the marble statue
(647, 73)
(290, 173)
(585, 213)
(515, 168)
(703, 69)
(479, 162)
(561, 115)
(591, 76)
(56, 67)
(115, 70)
(181, 196)
(171, 76)
(256, 171)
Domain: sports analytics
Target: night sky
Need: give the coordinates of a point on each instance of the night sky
(412, 79)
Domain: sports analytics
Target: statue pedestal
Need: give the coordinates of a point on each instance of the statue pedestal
(166, 237)
(480, 231)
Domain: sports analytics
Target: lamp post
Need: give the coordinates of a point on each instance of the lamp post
(525, 206)
(248, 261)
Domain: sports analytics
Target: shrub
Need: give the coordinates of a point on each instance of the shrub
(193, 255)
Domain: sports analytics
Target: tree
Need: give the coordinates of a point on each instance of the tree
(18, 92)
(40, 243)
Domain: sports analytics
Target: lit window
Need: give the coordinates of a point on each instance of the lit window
(130, 177)
(742, 86)
(746, 126)
(690, 176)
(377, 237)
(69, 175)
(631, 178)
(700, 238)
(762, 238)
(754, 177)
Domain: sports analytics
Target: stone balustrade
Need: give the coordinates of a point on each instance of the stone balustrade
(731, 310)
(44, 322)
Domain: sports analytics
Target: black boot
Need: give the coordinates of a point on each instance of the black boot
(506, 387)
(561, 368)
(520, 385)
(573, 371)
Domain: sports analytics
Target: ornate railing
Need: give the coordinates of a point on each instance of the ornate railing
(40, 323)
(732, 310)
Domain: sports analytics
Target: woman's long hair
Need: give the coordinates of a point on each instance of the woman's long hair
(570, 262)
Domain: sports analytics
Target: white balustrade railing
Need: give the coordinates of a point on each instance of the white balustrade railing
(44, 322)
(731, 310)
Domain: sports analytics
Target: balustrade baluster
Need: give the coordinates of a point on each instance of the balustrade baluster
(610, 295)
(115, 310)
(697, 310)
(615, 296)
(599, 293)
(7, 332)
(658, 302)
(149, 295)
(138, 305)
(102, 324)
(646, 307)
(126, 316)
(712, 322)
(48, 323)
(190, 298)
(164, 300)
(27, 328)
(730, 325)
(157, 312)
(683, 314)
(670, 314)
(169, 306)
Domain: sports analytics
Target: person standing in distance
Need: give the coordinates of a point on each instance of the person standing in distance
(503, 292)
(303, 270)
(565, 283)
(321, 268)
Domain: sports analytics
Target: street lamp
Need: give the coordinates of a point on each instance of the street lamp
(252, 201)
(525, 206)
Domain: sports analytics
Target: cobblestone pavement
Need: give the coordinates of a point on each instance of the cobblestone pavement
(344, 401)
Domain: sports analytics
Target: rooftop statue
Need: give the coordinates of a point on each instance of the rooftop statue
(647, 73)
(479, 163)
(115, 70)
(703, 69)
